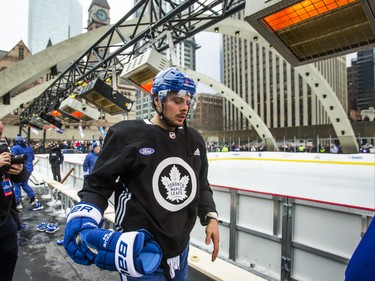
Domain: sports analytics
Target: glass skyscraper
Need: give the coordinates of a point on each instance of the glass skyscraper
(55, 20)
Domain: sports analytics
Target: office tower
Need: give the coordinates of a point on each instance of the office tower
(361, 84)
(365, 66)
(208, 116)
(55, 20)
(352, 82)
(209, 58)
(280, 96)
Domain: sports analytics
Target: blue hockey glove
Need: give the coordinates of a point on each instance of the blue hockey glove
(132, 253)
(82, 217)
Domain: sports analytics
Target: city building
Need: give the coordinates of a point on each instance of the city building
(352, 82)
(55, 20)
(209, 58)
(208, 116)
(280, 96)
(361, 84)
(365, 79)
(7, 59)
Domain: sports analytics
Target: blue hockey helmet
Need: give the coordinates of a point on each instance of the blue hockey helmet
(172, 80)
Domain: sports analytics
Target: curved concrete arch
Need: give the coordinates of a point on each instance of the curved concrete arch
(333, 107)
(32, 68)
(258, 124)
(316, 81)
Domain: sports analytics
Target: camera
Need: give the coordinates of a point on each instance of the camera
(14, 159)
(18, 159)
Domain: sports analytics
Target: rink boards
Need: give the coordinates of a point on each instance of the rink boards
(346, 179)
(284, 216)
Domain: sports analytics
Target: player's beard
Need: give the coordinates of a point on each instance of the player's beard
(169, 123)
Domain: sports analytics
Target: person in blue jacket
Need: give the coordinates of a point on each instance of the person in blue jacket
(361, 266)
(88, 164)
(20, 147)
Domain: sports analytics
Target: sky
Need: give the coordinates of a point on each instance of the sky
(13, 23)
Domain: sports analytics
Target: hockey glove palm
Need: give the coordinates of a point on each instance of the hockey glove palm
(82, 217)
(131, 253)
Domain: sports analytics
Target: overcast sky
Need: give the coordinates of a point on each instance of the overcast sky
(13, 21)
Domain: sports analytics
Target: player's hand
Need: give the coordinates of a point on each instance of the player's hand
(82, 217)
(212, 233)
(15, 169)
(132, 253)
(4, 159)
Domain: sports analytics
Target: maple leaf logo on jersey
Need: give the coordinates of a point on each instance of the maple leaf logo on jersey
(175, 185)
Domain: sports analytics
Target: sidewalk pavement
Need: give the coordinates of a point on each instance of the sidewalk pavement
(40, 258)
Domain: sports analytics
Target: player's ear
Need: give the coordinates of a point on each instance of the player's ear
(157, 102)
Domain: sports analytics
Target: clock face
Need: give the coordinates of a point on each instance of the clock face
(101, 14)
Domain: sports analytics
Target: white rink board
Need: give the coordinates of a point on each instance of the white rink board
(343, 179)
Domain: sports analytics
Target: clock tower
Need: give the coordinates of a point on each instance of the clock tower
(98, 14)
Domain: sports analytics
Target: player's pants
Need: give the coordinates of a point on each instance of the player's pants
(55, 167)
(25, 186)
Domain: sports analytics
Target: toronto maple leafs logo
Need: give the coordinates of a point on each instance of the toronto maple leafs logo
(174, 184)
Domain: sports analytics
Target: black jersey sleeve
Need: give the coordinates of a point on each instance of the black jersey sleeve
(111, 163)
(206, 201)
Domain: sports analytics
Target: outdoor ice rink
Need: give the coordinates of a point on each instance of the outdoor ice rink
(338, 179)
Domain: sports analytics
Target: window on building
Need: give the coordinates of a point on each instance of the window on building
(21, 53)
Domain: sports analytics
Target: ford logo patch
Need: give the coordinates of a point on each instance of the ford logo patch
(147, 151)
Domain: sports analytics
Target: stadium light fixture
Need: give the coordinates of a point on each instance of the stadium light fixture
(34, 125)
(142, 70)
(62, 115)
(50, 119)
(39, 123)
(102, 95)
(79, 110)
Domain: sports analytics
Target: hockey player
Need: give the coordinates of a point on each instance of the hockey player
(158, 171)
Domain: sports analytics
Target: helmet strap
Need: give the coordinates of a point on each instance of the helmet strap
(160, 113)
(156, 110)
